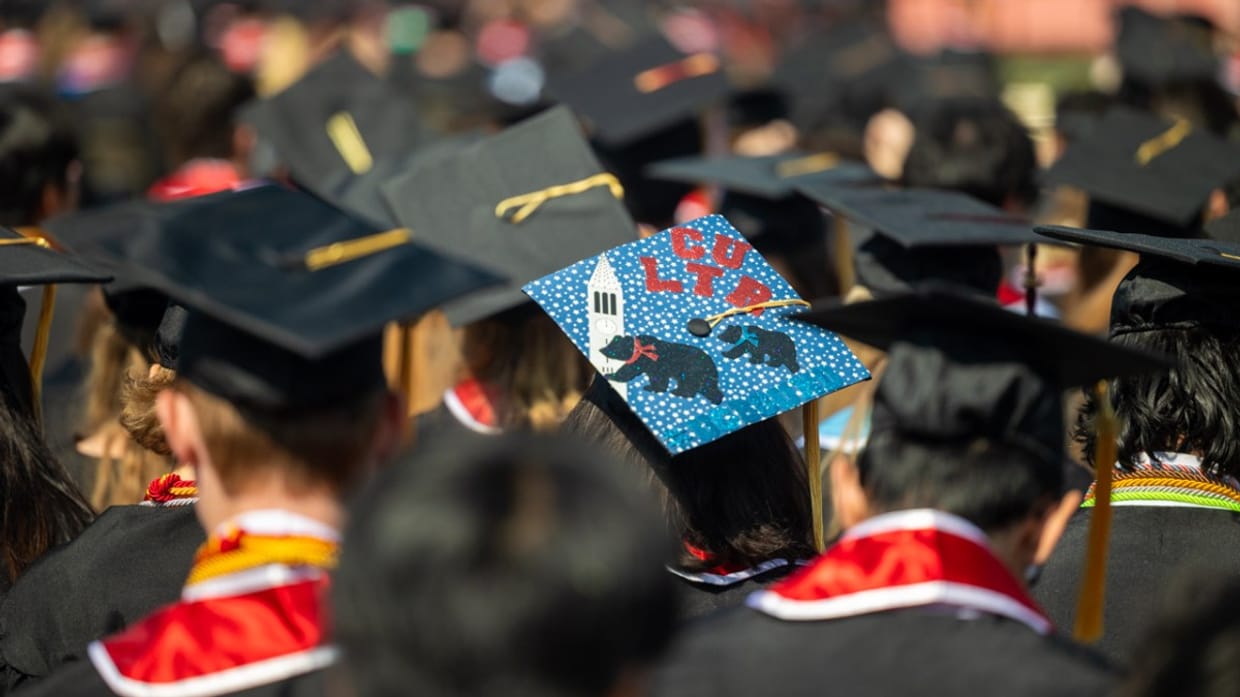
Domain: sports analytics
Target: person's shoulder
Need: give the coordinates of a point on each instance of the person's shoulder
(79, 679)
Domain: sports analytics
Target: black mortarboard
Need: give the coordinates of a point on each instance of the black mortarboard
(1157, 50)
(945, 75)
(640, 90)
(961, 368)
(523, 203)
(772, 177)
(1138, 162)
(1179, 283)
(287, 295)
(911, 236)
(28, 261)
(336, 124)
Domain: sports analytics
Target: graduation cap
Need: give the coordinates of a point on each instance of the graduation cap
(640, 90)
(286, 295)
(1179, 282)
(911, 236)
(337, 125)
(771, 177)
(690, 327)
(1158, 169)
(30, 261)
(1156, 50)
(960, 368)
(522, 204)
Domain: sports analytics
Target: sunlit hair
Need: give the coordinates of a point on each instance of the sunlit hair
(537, 371)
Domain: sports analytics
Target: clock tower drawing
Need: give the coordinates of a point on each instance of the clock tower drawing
(605, 302)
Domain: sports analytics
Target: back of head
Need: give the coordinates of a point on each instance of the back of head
(37, 148)
(517, 566)
(743, 499)
(974, 145)
(196, 109)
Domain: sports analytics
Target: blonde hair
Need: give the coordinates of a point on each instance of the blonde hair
(325, 446)
(540, 374)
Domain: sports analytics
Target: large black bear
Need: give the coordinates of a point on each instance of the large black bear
(762, 346)
(694, 372)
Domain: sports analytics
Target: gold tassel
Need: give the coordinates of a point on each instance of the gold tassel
(1092, 598)
(813, 463)
(38, 352)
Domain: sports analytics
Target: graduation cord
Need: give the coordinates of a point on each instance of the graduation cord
(171, 490)
(517, 208)
(239, 550)
(1172, 486)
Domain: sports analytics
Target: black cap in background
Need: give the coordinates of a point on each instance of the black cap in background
(906, 237)
(1140, 163)
(961, 368)
(1179, 283)
(641, 90)
(1157, 51)
(560, 206)
(287, 296)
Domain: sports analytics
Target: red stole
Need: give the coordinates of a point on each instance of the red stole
(473, 405)
(258, 624)
(908, 559)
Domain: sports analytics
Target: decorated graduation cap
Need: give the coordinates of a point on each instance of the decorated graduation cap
(522, 203)
(1160, 170)
(911, 236)
(961, 368)
(30, 261)
(641, 89)
(690, 327)
(286, 295)
(337, 125)
(1179, 283)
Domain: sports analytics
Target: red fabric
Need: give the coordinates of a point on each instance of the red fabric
(900, 558)
(721, 569)
(639, 350)
(192, 639)
(196, 178)
(478, 400)
(1009, 295)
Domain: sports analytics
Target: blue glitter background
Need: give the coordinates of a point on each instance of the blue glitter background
(752, 393)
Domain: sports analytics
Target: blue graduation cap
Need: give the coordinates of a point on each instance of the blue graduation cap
(691, 327)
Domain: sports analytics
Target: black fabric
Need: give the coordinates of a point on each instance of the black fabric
(82, 680)
(885, 267)
(129, 562)
(617, 111)
(743, 653)
(15, 383)
(772, 177)
(1158, 50)
(1178, 282)
(450, 204)
(1172, 185)
(701, 600)
(1149, 546)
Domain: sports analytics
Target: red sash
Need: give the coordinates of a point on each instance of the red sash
(907, 559)
(257, 624)
(473, 404)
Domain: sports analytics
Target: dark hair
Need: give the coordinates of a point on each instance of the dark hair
(974, 145)
(1189, 409)
(990, 484)
(652, 201)
(1192, 648)
(40, 506)
(196, 109)
(743, 499)
(37, 145)
(515, 566)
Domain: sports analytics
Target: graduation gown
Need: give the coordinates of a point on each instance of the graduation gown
(702, 594)
(949, 620)
(1149, 546)
(131, 560)
(465, 412)
(251, 620)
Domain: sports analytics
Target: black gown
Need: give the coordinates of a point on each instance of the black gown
(1149, 546)
(698, 599)
(81, 680)
(742, 652)
(130, 561)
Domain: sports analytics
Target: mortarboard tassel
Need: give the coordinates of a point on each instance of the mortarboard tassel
(1090, 602)
(38, 352)
(813, 459)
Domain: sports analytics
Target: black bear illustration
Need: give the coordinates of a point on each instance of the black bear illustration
(762, 346)
(694, 372)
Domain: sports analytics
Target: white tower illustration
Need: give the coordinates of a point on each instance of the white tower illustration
(605, 302)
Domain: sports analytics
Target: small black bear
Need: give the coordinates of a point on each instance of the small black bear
(762, 346)
(663, 361)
